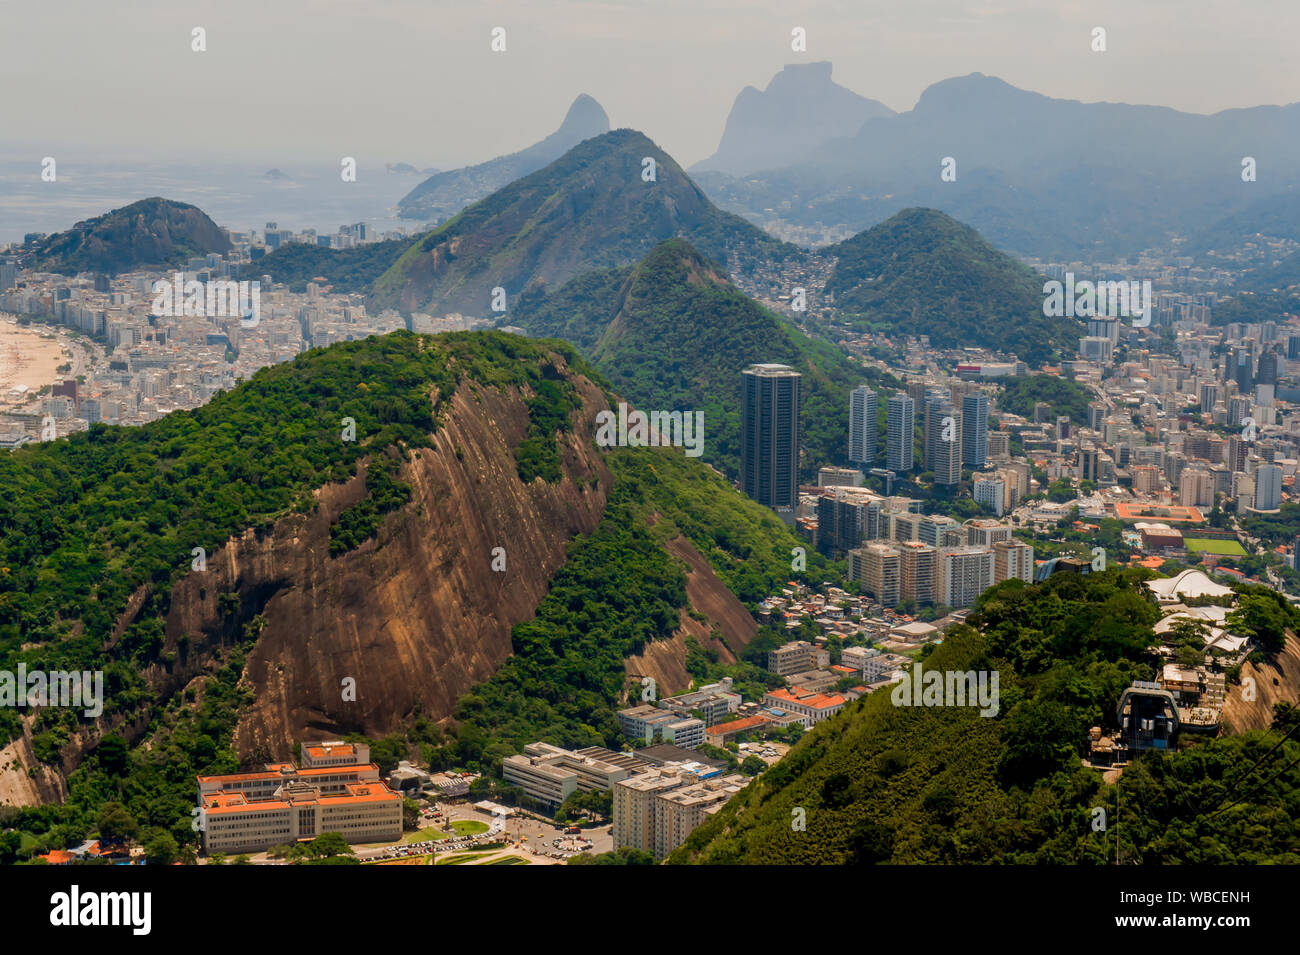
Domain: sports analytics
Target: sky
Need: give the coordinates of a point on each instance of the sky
(417, 81)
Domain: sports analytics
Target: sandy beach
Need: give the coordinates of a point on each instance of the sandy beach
(27, 357)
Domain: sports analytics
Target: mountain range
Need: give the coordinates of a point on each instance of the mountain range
(788, 122)
(604, 203)
(1035, 174)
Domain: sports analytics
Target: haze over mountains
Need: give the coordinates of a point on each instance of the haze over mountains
(799, 111)
(446, 193)
(1036, 175)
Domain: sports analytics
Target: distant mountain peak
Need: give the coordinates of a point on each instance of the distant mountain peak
(801, 109)
(971, 90)
(818, 73)
(443, 195)
(585, 115)
(589, 209)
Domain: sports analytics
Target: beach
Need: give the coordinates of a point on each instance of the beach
(29, 356)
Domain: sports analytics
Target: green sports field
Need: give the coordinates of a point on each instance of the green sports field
(1221, 547)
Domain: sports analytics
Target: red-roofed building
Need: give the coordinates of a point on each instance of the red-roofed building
(811, 707)
(723, 732)
(249, 812)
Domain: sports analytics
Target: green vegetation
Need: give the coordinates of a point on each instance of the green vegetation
(1066, 397)
(590, 209)
(625, 856)
(672, 333)
(924, 273)
(618, 590)
(461, 860)
(1279, 528)
(549, 412)
(384, 494)
(347, 270)
(87, 521)
(917, 784)
(1229, 548)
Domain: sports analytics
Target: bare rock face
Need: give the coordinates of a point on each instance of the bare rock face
(412, 618)
(1275, 682)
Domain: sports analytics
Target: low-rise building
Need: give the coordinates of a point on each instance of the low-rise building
(811, 707)
(550, 774)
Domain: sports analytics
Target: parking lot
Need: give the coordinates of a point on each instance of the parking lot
(539, 842)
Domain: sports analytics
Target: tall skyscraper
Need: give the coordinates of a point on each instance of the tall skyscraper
(769, 438)
(1268, 487)
(975, 431)
(944, 425)
(935, 399)
(901, 431)
(1266, 373)
(862, 425)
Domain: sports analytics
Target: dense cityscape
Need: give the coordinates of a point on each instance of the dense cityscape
(884, 487)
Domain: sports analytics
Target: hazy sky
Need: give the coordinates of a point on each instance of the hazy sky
(416, 81)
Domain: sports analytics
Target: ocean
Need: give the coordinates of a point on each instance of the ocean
(235, 195)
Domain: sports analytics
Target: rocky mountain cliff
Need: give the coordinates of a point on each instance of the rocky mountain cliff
(375, 597)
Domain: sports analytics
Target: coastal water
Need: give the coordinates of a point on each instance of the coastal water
(238, 196)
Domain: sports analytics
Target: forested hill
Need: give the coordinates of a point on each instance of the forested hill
(1065, 397)
(917, 784)
(346, 270)
(924, 273)
(604, 203)
(672, 332)
(220, 564)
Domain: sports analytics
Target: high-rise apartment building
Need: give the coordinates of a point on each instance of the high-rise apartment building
(1268, 487)
(1012, 558)
(944, 433)
(901, 433)
(769, 440)
(918, 572)
(882, 573)
(963, 574)
(862, 425)
(975, 431)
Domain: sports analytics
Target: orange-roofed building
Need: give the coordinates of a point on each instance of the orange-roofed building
(811, 707)
(250, 812)
(722, 732)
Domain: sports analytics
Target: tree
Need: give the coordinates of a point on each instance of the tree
(161, 849)
(10, 843)
(1262, 617)
(752, 766)
(328, 844)
(116, 824)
